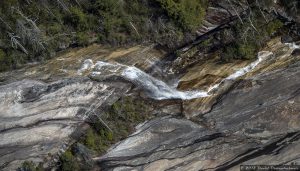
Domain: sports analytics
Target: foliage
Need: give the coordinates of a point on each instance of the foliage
(229, 53)
(30, 166)
(37, 28)
(77, 19)
(54, 28)
(189, 14)
(292, 6)
(68, 162)
(129, 109)
(248, 51)
(4, 61)
(82, 39)
(239, 51)
(249, 36)
(121, 117)
(121, 22)
(98, 141)
(273, 26)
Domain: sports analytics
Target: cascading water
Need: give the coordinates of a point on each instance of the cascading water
(153, 87)
(261, 56)
(87, 64)
(293, 45)
(158, 89)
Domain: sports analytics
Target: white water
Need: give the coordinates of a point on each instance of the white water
(158, 89)
(261, 56)
(154, 88)
(293, 45)
(87, 64)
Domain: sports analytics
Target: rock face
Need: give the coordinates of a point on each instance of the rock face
(257, 122)
(37, 119)
(251, 121)
(40, 119)
(220, 13)
(210, 73)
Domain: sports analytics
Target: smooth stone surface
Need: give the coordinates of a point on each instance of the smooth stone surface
(37, 118)
(257, 122)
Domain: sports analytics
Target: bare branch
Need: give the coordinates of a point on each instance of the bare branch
(235, 11)
(251, 23)
(15, 42)
(100, 119)
(261, 11)
(77, 3)
(134, 28)
(5, 23)
(244, 35)
(28, 32)
(28, 1)
(249, 18)
(30, 21)
(63, 5)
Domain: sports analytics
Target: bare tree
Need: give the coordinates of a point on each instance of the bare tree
(245, 34)
(100, 119)
(28, 32)
(257, 3)
(28, 20)
(63, 5)
(28, 1)
(30, 35)
(229, 1)
(249, 17)
(135, 29)
(15, 43)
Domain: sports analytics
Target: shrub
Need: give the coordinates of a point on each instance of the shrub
(82, 39)
(108, 6)
(189, 14)
(100, 140)
(68, 162)
(229, 53)
(248, 50)
(90, 139)
(30, 166)
(5, 61)
(136, 7)
(273, 26)
(248, 40)
(76, 18)
(110, 136)
(239, 50)
(54, 28)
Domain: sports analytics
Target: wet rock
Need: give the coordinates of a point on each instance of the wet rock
(286, 39)
(296, 52)
(220, 13)
(40, 119)
(257, 122)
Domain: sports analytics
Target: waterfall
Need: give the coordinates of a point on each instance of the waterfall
(152, 86)
(156, 88)
(260, 57)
